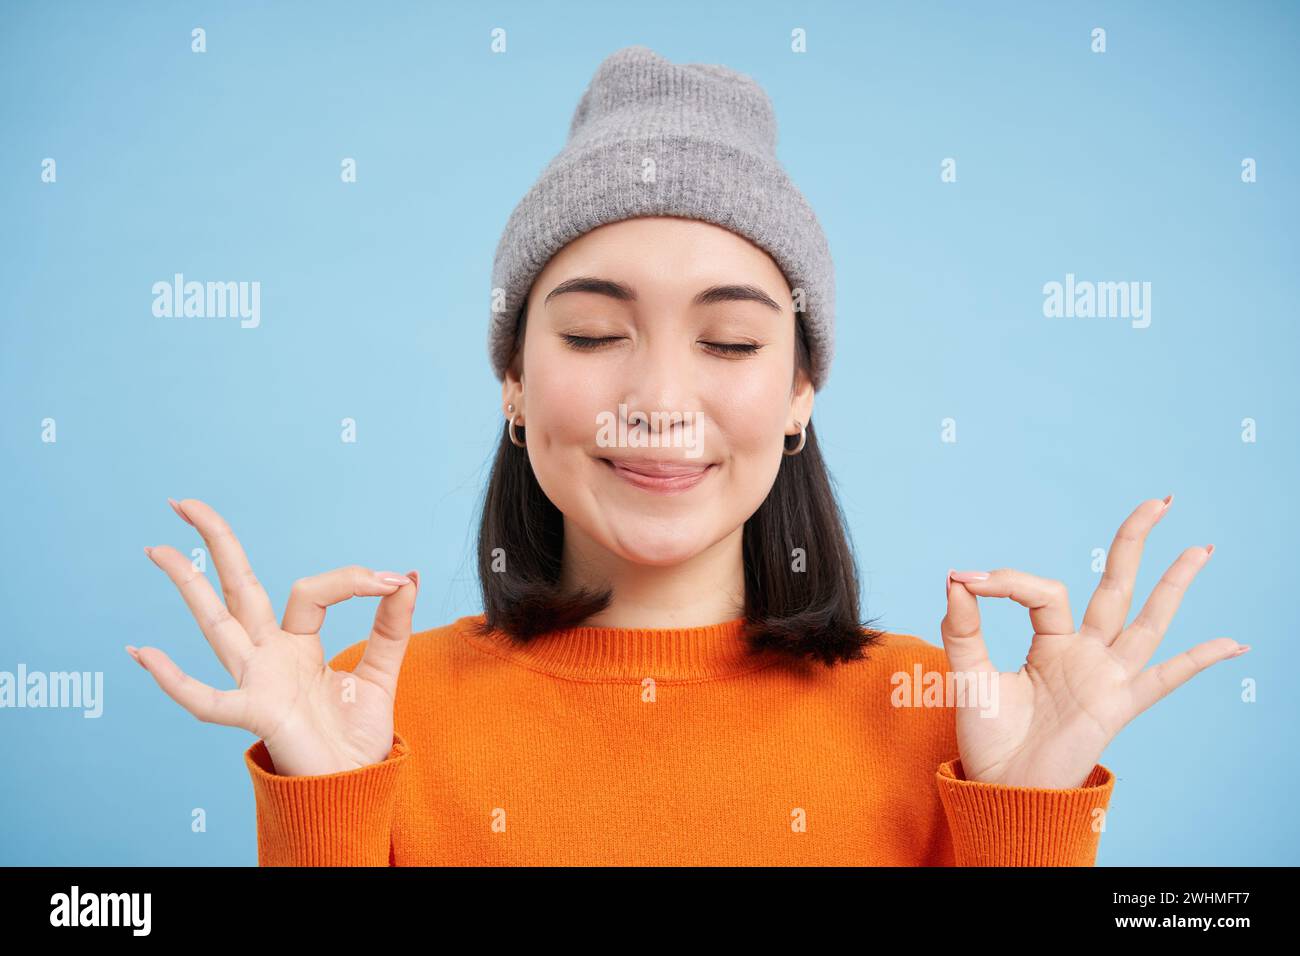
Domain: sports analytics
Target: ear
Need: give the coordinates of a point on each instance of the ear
(512, 390)
(801, 398)
(512, 383)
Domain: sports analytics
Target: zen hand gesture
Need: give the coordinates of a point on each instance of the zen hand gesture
(1055, 716)
(314, 720)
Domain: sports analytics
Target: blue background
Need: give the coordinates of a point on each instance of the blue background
(1117, 166)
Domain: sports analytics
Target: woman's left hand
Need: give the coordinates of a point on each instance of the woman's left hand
(1052, 719)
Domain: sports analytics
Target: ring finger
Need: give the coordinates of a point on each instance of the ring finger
(1138, 642)
(229, 641)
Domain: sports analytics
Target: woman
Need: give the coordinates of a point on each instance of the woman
(670, 667)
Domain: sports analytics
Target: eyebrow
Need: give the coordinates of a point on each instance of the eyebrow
(625, 293)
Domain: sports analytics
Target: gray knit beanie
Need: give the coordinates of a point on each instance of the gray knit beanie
(711, 136)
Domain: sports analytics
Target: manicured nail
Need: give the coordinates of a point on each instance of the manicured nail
(967, 576)
(149, 551)
(1168, 501)
(947, 582)
(414, 576)
(177, 508)
(1242, 650)
(1209, 549)
(392, 577)
(135, 655)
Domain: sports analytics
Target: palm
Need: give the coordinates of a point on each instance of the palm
(1047, 724)
(1067, 682)
(293, 695)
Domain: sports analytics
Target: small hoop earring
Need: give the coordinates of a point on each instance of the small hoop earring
(803, 437)
(514, 440)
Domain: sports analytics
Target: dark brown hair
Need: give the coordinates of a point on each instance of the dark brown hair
(806, 615)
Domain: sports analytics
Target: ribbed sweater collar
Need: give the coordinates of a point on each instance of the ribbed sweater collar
(628, 653)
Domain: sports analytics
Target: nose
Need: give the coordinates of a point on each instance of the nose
(660, 394)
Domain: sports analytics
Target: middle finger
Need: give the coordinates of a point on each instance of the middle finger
(1108, 609)
(244, 594)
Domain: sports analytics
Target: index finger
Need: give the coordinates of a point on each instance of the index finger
(245, 597)
(1047, 600)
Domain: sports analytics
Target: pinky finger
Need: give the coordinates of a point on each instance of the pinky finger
(212, 706)
(1155, 682)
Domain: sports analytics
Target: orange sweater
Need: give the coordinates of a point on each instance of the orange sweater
(640, 746)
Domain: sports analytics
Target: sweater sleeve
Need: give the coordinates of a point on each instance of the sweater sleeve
(333, 819)
(996, 825)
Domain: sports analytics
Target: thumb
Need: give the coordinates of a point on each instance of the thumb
(960, 629)
(390, 635)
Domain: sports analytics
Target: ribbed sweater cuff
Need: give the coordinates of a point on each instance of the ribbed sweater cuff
(333, 819)
(997, 825)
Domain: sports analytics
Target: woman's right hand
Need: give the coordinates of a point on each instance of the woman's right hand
(314, 720)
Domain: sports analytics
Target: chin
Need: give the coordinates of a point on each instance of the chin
(656, 544)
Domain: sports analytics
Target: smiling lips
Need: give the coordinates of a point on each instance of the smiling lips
(665, 477)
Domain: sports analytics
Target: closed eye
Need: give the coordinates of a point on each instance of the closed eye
(587, 344)
(734, 348)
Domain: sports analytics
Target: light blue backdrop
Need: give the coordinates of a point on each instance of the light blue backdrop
(1122, 165)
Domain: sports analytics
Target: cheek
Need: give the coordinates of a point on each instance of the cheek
(561, 394)
(560, 424)
(752, 415)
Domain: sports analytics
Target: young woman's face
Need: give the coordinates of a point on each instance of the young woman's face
(700, 385)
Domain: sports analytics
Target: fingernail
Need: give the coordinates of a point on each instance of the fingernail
(947, 582)
(149, 551)
(1168, 501)
(414, 576)
(392, 577)
(967, 576)
(177, 508)
(135, 655)
(1209, 549)
(1242, 650)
